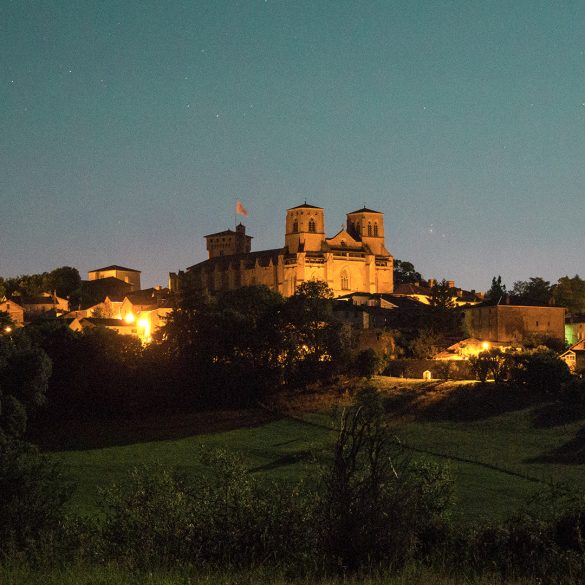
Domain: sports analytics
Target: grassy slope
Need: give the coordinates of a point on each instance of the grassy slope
(471, 431)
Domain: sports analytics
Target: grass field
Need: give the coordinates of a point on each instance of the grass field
(501, 450)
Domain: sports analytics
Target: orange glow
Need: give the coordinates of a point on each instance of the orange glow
(485, 345)
(129, 318)
(8, 329)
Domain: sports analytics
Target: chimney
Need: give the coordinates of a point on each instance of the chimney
(451, 283)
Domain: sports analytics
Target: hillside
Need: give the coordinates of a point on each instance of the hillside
(503, 446)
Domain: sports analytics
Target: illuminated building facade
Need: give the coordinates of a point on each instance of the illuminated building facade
(353, 260)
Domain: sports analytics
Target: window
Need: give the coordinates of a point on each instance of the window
(344, 280)
(295, 226)
(312, 225)
(376, 230)
(369, 229)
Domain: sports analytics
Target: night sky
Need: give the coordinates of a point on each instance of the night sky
(128, 130)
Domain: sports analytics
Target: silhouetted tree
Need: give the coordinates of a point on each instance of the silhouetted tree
(536, 291)
(570, 293)
(497, 290)
(405, 273)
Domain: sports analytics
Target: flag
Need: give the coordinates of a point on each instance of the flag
(240, 209)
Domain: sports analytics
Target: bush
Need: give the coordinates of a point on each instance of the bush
(367, 363)
(376, 506)
(540, 369)
(34, 493)
(493, 363)
(224, 518)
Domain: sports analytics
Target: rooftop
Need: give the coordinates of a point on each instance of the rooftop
(365, 210)
(114, 267)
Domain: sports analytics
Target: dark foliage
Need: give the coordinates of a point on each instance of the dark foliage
(540, 370)
(24, 375)
(376, 506)
(33, 497)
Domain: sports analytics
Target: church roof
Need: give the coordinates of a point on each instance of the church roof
(364, 210)
(306, 206)
(114, 267)
(263, 257)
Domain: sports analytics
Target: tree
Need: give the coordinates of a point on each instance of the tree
(367, 363)
(442, 318)
(65, 281)
(34, 497)
(570, 293)
(540, 369)
(497, 290)
(492, 362)
(24, 377)
(441, 297)
(6, 323)
(405, 273)
(376, 505)
(426, 344)
(536, 291)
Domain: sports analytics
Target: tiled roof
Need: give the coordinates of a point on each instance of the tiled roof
(224, 233)
(411, 289)
(364, 210)
(114, 267)
(262, 256)
(105, 282)
(107, 322)
(305, 206)
(32, 300)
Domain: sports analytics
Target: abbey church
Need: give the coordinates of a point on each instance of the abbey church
(353, 260)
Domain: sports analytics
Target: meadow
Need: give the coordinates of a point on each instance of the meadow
(504, 448)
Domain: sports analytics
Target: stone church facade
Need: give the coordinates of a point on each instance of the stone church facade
(353, 260)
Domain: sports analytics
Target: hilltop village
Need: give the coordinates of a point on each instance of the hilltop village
(354, 263)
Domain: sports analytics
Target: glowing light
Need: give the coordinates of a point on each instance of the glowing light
(8, 329)
(485, 345)
(144, 324)
(129, 318)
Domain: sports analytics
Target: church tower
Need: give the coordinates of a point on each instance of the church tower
(305, 229)
(367, 226)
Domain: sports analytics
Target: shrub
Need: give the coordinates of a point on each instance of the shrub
(493, 363)
(540, 369)
(367, 363)
(376, 506)
(224, 518)
(34, 493)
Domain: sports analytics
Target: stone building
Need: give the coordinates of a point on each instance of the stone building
(128, 275)
(353, 260)
(514, 323)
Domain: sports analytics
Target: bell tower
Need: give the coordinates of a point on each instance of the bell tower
(305, 229)
(367, 225)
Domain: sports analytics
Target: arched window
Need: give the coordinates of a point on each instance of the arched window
(356, 226)
(376, 229)
(369, 229)
(312, 225)
(344, 280)
(295, 226)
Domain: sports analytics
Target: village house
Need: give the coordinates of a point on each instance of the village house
(514, 323)
(14, 310)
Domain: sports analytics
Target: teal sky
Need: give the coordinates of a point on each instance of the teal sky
(128, 129)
